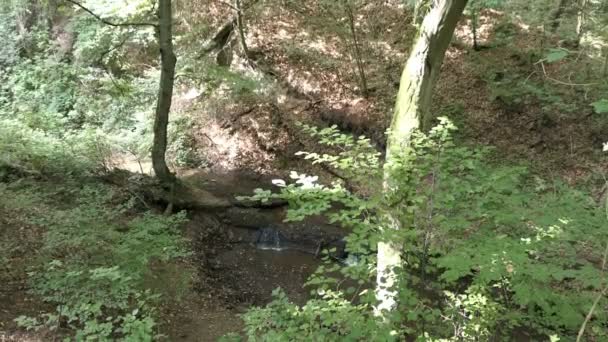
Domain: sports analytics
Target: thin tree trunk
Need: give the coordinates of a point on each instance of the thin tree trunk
(165, 93)
(50, 14)
(605, 68)
(557, 15)
(357, 51)
(240, 27)
(474, 19)
(412, 111)
(581, 18)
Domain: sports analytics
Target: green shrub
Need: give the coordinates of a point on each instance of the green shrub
(98, 303)
(94, 258)
(488, 250)
(32, 151)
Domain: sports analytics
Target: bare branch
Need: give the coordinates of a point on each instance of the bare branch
(229, 5)
(562, 82)
(107, 22)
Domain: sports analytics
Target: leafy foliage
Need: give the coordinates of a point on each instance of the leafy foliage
(51, 96)
(27, 151)
(93, 262)
(489, 250)
(555, 55)
(601, 106)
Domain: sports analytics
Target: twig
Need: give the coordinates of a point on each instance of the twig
(208, 138)
(527, 78)
(229, 5)
(136, 195)
(595, 302)
(562, 82)
(237, 116)
(113, 48)
(107, 22)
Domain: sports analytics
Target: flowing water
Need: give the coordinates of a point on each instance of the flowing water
(270, 239)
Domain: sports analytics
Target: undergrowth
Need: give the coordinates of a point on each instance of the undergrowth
(94, 258)
(489, 252)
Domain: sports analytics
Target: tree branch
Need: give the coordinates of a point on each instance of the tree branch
(229, 5)
(107, 22)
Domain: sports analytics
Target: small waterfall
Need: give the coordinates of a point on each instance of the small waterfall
(270, 238)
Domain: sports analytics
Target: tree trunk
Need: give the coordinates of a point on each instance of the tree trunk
(51, 13)
(605, 67)
(240, 27)
(580, 21)
(412, 111)
(474, 24)
(165, 92)
(357, 51)
(557, 15)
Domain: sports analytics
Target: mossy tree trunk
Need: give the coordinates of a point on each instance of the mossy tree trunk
(412, 111)
(165, 93)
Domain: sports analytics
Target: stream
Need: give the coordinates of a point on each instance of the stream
(243, 253)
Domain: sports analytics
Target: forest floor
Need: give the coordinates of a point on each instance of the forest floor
(536, 113)
(254, 141)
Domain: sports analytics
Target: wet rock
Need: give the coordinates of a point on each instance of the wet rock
(248, 203)
(248, 217)
(270, 238)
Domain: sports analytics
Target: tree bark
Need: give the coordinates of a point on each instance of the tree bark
(557, 15)
(240, 26)
(412, 112)
(474, 24)
(605, 67)
(165, 93)
(358, 57)
(581, 19)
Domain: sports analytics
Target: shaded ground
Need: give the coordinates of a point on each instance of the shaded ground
(19, 243)
(232, 274)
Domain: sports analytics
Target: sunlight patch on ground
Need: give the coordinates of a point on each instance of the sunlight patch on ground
(596, 43)
(485, 27)
(306, 84)
(454, 53)
(321, 46)
(191, 94)
(131, 163)
(386, 50)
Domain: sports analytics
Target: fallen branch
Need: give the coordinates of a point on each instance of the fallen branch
(228, 4)
(562, 82)
(220, 38)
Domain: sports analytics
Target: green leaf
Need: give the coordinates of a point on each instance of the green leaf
(555, 55)
(601, 106)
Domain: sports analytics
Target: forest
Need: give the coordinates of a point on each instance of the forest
(304, 170)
